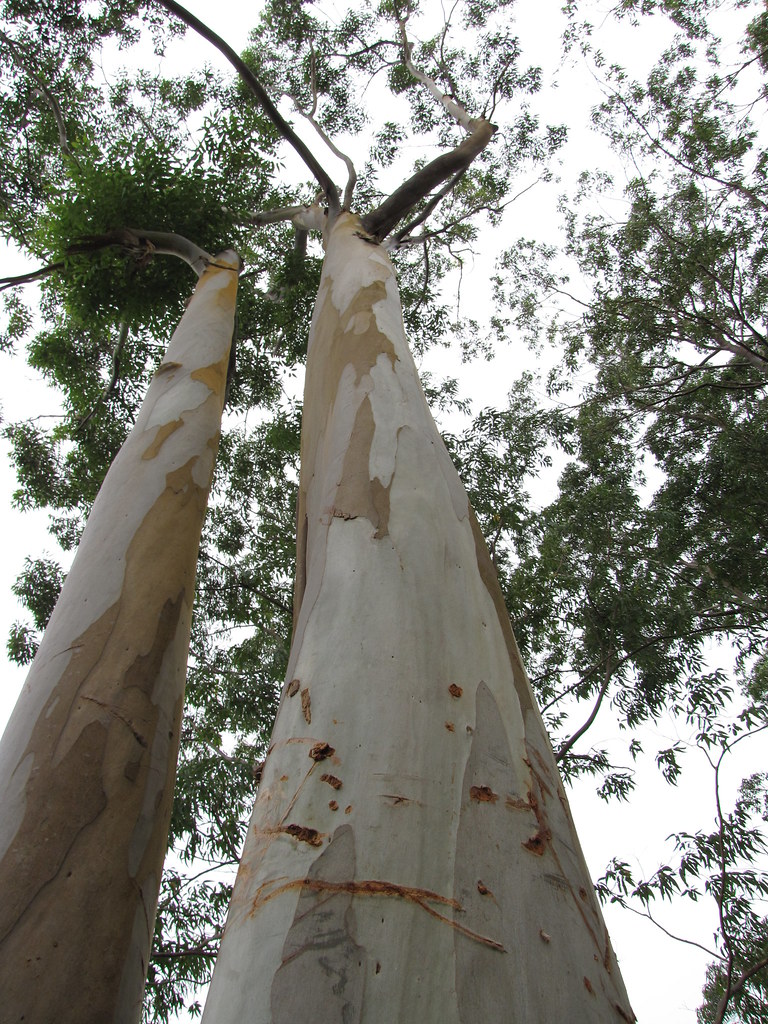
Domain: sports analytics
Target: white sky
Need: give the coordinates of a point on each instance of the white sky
(663, 977)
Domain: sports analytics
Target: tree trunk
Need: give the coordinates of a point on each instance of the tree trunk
(88, 760)
(411, 855)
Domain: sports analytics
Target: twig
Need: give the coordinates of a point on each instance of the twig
(678, 938)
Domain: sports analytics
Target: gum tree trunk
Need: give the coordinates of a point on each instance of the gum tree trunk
(411, 855)
(88, 760)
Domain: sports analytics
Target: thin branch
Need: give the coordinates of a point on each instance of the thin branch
(737, 987)
(456, 109)
(443, 66)
(565, 747)
(431, 205)
(122, 338)
(258, 90)
(47, 95)
(731, 988)
(734, 184)
(229, 758)
(32, 275)
(678, 938)
(310, 116)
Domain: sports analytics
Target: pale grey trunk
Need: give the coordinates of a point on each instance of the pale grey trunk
(411, 855)
(87, 762)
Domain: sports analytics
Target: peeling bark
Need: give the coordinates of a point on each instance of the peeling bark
(88, 760)
(455, 890)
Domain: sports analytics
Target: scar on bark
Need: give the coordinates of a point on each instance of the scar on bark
(321, 750)
(331, 780)
(113, 711)
(303, 834)
(306, 705)
(483, 794)
(375, 887)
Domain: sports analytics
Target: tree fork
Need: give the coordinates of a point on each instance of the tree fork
(411, 854)
(88, 759)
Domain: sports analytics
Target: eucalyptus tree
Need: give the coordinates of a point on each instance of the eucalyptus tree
(406, 712)
(401, 641)
(88, 759)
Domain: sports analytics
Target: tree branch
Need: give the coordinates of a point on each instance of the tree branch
(734, 184)
(121, 340)
(737, 986)
(456, 109)
(145, 245)
(429, 208)
(32, 275)
(45, 92)
(310, 116)
(258, 90)
(678, 938)
(308, 218)
(382, 220)
(565, 747)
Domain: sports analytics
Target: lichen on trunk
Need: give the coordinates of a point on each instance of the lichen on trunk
(411, 854)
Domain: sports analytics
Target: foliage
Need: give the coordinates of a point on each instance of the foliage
(656, 544)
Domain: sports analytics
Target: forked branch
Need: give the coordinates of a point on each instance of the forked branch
(310, 116)
(447, 166)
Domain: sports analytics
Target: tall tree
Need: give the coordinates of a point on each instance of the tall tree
(371, 457)
(88, 759)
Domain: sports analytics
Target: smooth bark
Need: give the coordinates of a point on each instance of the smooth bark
(87, 762)
(411, 855)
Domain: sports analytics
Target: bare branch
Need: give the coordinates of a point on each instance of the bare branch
(678, 938)
(121, 340)
(258, 90)
(305, 218)
(145, 245)
(429, 208)
(565, 747)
